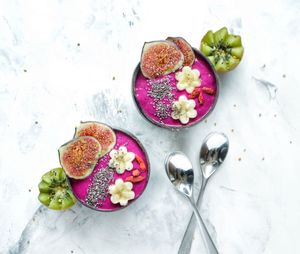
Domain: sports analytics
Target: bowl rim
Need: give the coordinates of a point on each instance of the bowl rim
(148, 172)
(134, 76)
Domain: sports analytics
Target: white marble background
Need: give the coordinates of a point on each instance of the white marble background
(64, 61)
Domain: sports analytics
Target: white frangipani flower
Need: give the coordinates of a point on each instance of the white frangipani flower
(121, 192)
(121, 160)
(183, 109)
(188, 79)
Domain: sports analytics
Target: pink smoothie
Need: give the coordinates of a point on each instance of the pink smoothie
(146, 103)
(80, 187)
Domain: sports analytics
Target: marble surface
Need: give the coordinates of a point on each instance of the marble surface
(65, 61)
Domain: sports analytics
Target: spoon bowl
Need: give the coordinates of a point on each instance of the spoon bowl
(213, 152)
(180, 172)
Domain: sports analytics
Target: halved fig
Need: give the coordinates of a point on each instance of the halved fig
(55, 192)
(103, 133)
(160, 58)
(185, 48)
(79, 156)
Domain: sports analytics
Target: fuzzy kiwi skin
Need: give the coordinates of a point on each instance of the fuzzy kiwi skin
(224, 50)
(54, 190)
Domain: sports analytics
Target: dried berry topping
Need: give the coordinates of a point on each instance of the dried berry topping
(208, 90)
(195, 93)
(136, 172)
(200, 98)
(139, 159)
(143, 166)
(135, 179)
(129, 178)
(138, 179)
(141, 163)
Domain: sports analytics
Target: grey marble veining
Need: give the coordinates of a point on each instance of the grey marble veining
(62, 62)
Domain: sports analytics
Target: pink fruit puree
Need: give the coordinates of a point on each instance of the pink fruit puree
(208, 80)
(80, 187)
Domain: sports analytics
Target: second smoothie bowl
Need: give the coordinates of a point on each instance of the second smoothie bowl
(174, 86)
(107, 168)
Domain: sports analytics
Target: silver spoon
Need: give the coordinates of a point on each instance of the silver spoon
(181, 174)
(212, 154)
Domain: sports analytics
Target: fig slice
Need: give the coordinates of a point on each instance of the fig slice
(102, 132)
(55, 192)
(79, 156)
(185, 48)
(160, 58)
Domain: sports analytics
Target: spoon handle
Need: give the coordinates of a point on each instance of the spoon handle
(186, 243)
(210, 247)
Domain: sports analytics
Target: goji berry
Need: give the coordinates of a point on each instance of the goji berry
(208, 90)
(136, 172)
(200, 98)
(194, 93)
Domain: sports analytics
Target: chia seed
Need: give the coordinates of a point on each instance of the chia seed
(161, 91)
(98, 189)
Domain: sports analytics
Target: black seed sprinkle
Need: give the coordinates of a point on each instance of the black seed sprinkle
(163, 97)
(98, 189)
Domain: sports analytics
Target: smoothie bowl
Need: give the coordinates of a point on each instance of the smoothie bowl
(174, 86)
(107, 168)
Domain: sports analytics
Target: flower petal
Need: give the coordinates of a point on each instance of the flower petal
(111, 163)
(192, 113)
(114, 199)
(128, 166)
(191, 104)
(186, 69)
(184, 119)
(196, 73)
(120, 170)
(112, 153)
(123, 149)
(119, 181)
(179, 76)
(195, 83)
(123, 202)
(111, 189)
(129, 156)
(182, 98)
(174, 116)
(128, 195)
(190, 89)
(128, 185)
(181, 86)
